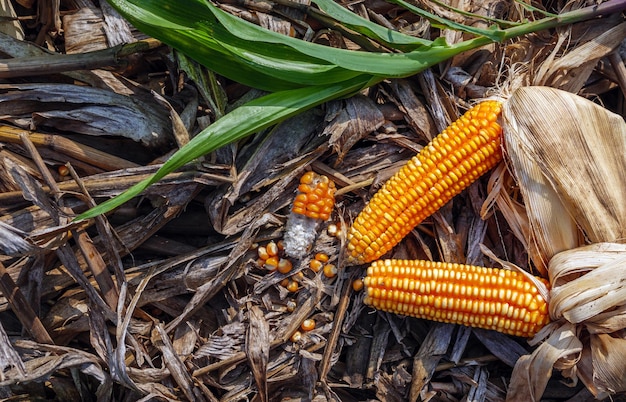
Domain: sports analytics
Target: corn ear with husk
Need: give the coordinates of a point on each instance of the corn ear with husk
(570, 162)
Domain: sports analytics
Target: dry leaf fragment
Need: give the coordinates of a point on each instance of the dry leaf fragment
(88, 110)
(9, 358)
(258, 349)
(358, 118)
(532, 372)
(172, 361)
(571, 71)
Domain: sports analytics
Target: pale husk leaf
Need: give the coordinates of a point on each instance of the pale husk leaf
(562, 348)
(499, 194)
(608, 356)
(598, 284)
(577, 149)
(581, 149)
(552, 229)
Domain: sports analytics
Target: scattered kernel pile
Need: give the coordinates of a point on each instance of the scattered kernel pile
(452, 161)
(489, 298)
(270, 258)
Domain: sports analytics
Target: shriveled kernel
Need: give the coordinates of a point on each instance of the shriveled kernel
(456, 157)
(457, 293)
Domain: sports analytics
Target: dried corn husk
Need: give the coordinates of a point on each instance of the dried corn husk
(569, 157)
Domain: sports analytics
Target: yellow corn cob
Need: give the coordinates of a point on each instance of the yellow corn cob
(490, 298)
(454, 159)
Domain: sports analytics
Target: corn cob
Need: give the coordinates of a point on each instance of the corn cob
(454, 159)
(313, 204)
(490, 298)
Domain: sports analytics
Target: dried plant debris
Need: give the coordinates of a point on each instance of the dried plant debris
(193, 291)
(85, 110)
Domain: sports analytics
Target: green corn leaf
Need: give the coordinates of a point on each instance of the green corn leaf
(195, 30)
(495, 34)
(499, 22)
(241, 122)
(391, 38)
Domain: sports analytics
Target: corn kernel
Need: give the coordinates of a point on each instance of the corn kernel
(284, 266)
(292, 286)
(316, 265)
(308, 325)
(330, 270)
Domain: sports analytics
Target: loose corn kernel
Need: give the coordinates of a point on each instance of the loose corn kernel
(292, 286)
(262, 253)
(308, 325)
(296, 336)
(271, 263)
(330, 270)
(313, 204)
(63, 170)
(298, 276)
(333, 229)
(316, 265)
(453, 160)
(272, 249)
(284, 266)
(357, 285)
(322, 257)
(481, 297)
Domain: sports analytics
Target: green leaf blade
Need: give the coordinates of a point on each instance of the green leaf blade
(390, 38)
(241, 122)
